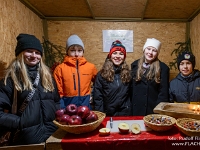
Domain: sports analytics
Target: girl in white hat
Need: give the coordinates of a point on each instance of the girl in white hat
(150, 80)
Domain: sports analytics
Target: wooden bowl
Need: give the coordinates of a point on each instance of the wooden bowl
(159, 127)
(78, 129)
(177, 110)
(189, 132)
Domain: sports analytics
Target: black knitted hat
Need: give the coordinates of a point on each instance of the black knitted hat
(186, 56)
(27, 41)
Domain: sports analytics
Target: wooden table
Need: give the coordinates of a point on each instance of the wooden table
(25, 147)
(169, 140)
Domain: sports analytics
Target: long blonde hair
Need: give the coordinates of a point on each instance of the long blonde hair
(153, 73)
(108, 72)
(18, 72)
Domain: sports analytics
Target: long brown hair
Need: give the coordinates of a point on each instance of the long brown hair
(153, 73)
(107, 71)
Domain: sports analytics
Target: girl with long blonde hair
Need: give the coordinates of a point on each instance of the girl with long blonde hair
(150, 80)
(37, 98)
(21, 79)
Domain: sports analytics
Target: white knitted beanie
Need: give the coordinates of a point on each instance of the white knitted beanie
(152, 42)
(74, 40)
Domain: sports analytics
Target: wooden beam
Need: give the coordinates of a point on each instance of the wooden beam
(90, 9)
(187, 35)
(145, 9)
(31, 7)
(113, 19)
(45, 28)
(194, 14)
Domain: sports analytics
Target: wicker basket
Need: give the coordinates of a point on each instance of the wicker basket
(180, 122)
(78, 129)
(158, 127)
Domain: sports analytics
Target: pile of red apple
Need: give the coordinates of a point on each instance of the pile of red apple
(73, 115)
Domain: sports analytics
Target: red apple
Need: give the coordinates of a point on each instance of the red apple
(59, 114)
(64, 119)
(75, 120)
(71, 109)
(83, 111)
(92, 117)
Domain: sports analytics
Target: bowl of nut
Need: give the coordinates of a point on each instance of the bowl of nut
(159, 122)
(189, 126)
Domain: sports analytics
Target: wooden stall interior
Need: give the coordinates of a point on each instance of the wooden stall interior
(169, 21)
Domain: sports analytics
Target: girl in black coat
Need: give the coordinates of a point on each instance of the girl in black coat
(150, 80)
(111, 88)
(35, 124)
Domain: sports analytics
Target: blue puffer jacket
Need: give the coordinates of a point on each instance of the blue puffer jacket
(35, 124)
(185, 89)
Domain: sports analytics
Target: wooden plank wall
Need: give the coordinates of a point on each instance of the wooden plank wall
(15, 18)
(195, 38)
(91, 34)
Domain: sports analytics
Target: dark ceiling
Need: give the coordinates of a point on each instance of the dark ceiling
(115, 10)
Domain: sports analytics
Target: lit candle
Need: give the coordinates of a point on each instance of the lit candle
(198, 109)
(194, 108)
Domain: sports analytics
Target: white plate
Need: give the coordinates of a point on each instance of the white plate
(129, 122)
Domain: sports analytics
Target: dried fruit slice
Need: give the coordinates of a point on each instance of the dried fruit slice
(135, 128)
(104, 131)
(123, 127)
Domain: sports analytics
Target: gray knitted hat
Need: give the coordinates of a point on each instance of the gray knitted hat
(74, 40)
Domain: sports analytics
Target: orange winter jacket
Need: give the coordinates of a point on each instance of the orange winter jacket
(74, 76)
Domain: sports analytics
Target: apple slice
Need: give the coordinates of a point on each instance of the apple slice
(135, 128)
(123, 127)
(104, 131)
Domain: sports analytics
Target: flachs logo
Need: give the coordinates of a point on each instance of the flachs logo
(187, 56)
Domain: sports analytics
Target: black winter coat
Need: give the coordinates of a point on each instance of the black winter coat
(146, 94)
(185, 90)
(35, 124)
(112, 98)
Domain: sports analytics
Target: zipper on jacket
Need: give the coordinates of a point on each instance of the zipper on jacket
(117, 82)
(188, 93)
(117, 77)
(78, 77)
(74, 81)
